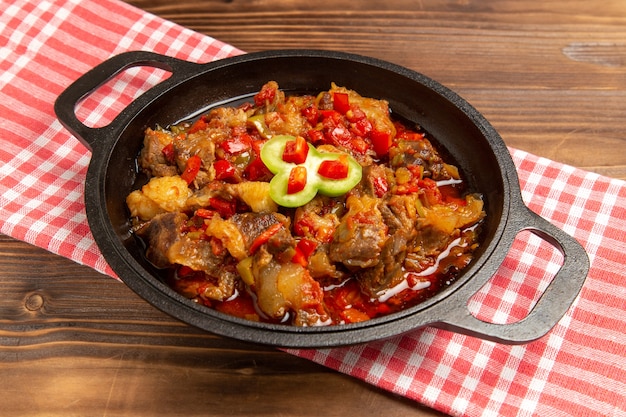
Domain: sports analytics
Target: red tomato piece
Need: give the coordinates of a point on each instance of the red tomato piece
(241, 306)
(337, 133)
(191, 169)
(355, 114)
(296, 151)
(297, 179)
(256, 169)
(303, 226)
(336, 169)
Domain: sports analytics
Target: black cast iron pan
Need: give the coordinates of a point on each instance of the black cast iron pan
(459, 128)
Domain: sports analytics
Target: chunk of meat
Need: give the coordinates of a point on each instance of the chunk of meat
(160, 234)
(400, 215)
(376, 180)
(152, 159)
(422, 153)
(167, 246)
(254, 226)
(359, 238)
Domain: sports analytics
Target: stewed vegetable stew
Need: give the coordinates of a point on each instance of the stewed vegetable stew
(304, 209)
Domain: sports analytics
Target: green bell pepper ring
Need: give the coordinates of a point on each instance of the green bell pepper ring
(271, 155)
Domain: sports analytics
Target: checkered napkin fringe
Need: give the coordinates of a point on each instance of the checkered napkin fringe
(577, 369)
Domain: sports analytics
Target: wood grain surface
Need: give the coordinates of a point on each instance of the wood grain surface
(549, 75)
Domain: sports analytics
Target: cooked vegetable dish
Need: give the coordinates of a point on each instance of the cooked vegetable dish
(304, 210)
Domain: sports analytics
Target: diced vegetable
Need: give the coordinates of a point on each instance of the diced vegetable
(191, 169)
(381, 142)
(341, 102)
(258, 122)
(271, 156)
(296, 150)
(223, 207)
(334, 169)
(244, 267)
(168, 153)
(198, 125)
(224, 170)
(311, 114)
(297, 179)
(307, 246)
(237, 144)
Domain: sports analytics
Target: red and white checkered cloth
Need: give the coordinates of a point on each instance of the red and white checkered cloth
(579, 368)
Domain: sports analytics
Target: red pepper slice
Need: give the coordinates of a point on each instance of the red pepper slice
(296, 151)
(204, 213)
(264, 237)
(191, 169)
(198, 125)
(169, 153)
(306, 246)
(341, 103)
(223, 207)
(256, 169)
(297, 179)
(334, 169)
(381, 142)
(299, 258)
(237, 144)
(315, 136)
(224, 170)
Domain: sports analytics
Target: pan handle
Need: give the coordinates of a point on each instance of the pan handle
(551, 307)
(65, 105)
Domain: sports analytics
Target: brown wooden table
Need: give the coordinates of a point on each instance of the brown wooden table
(550, 76)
